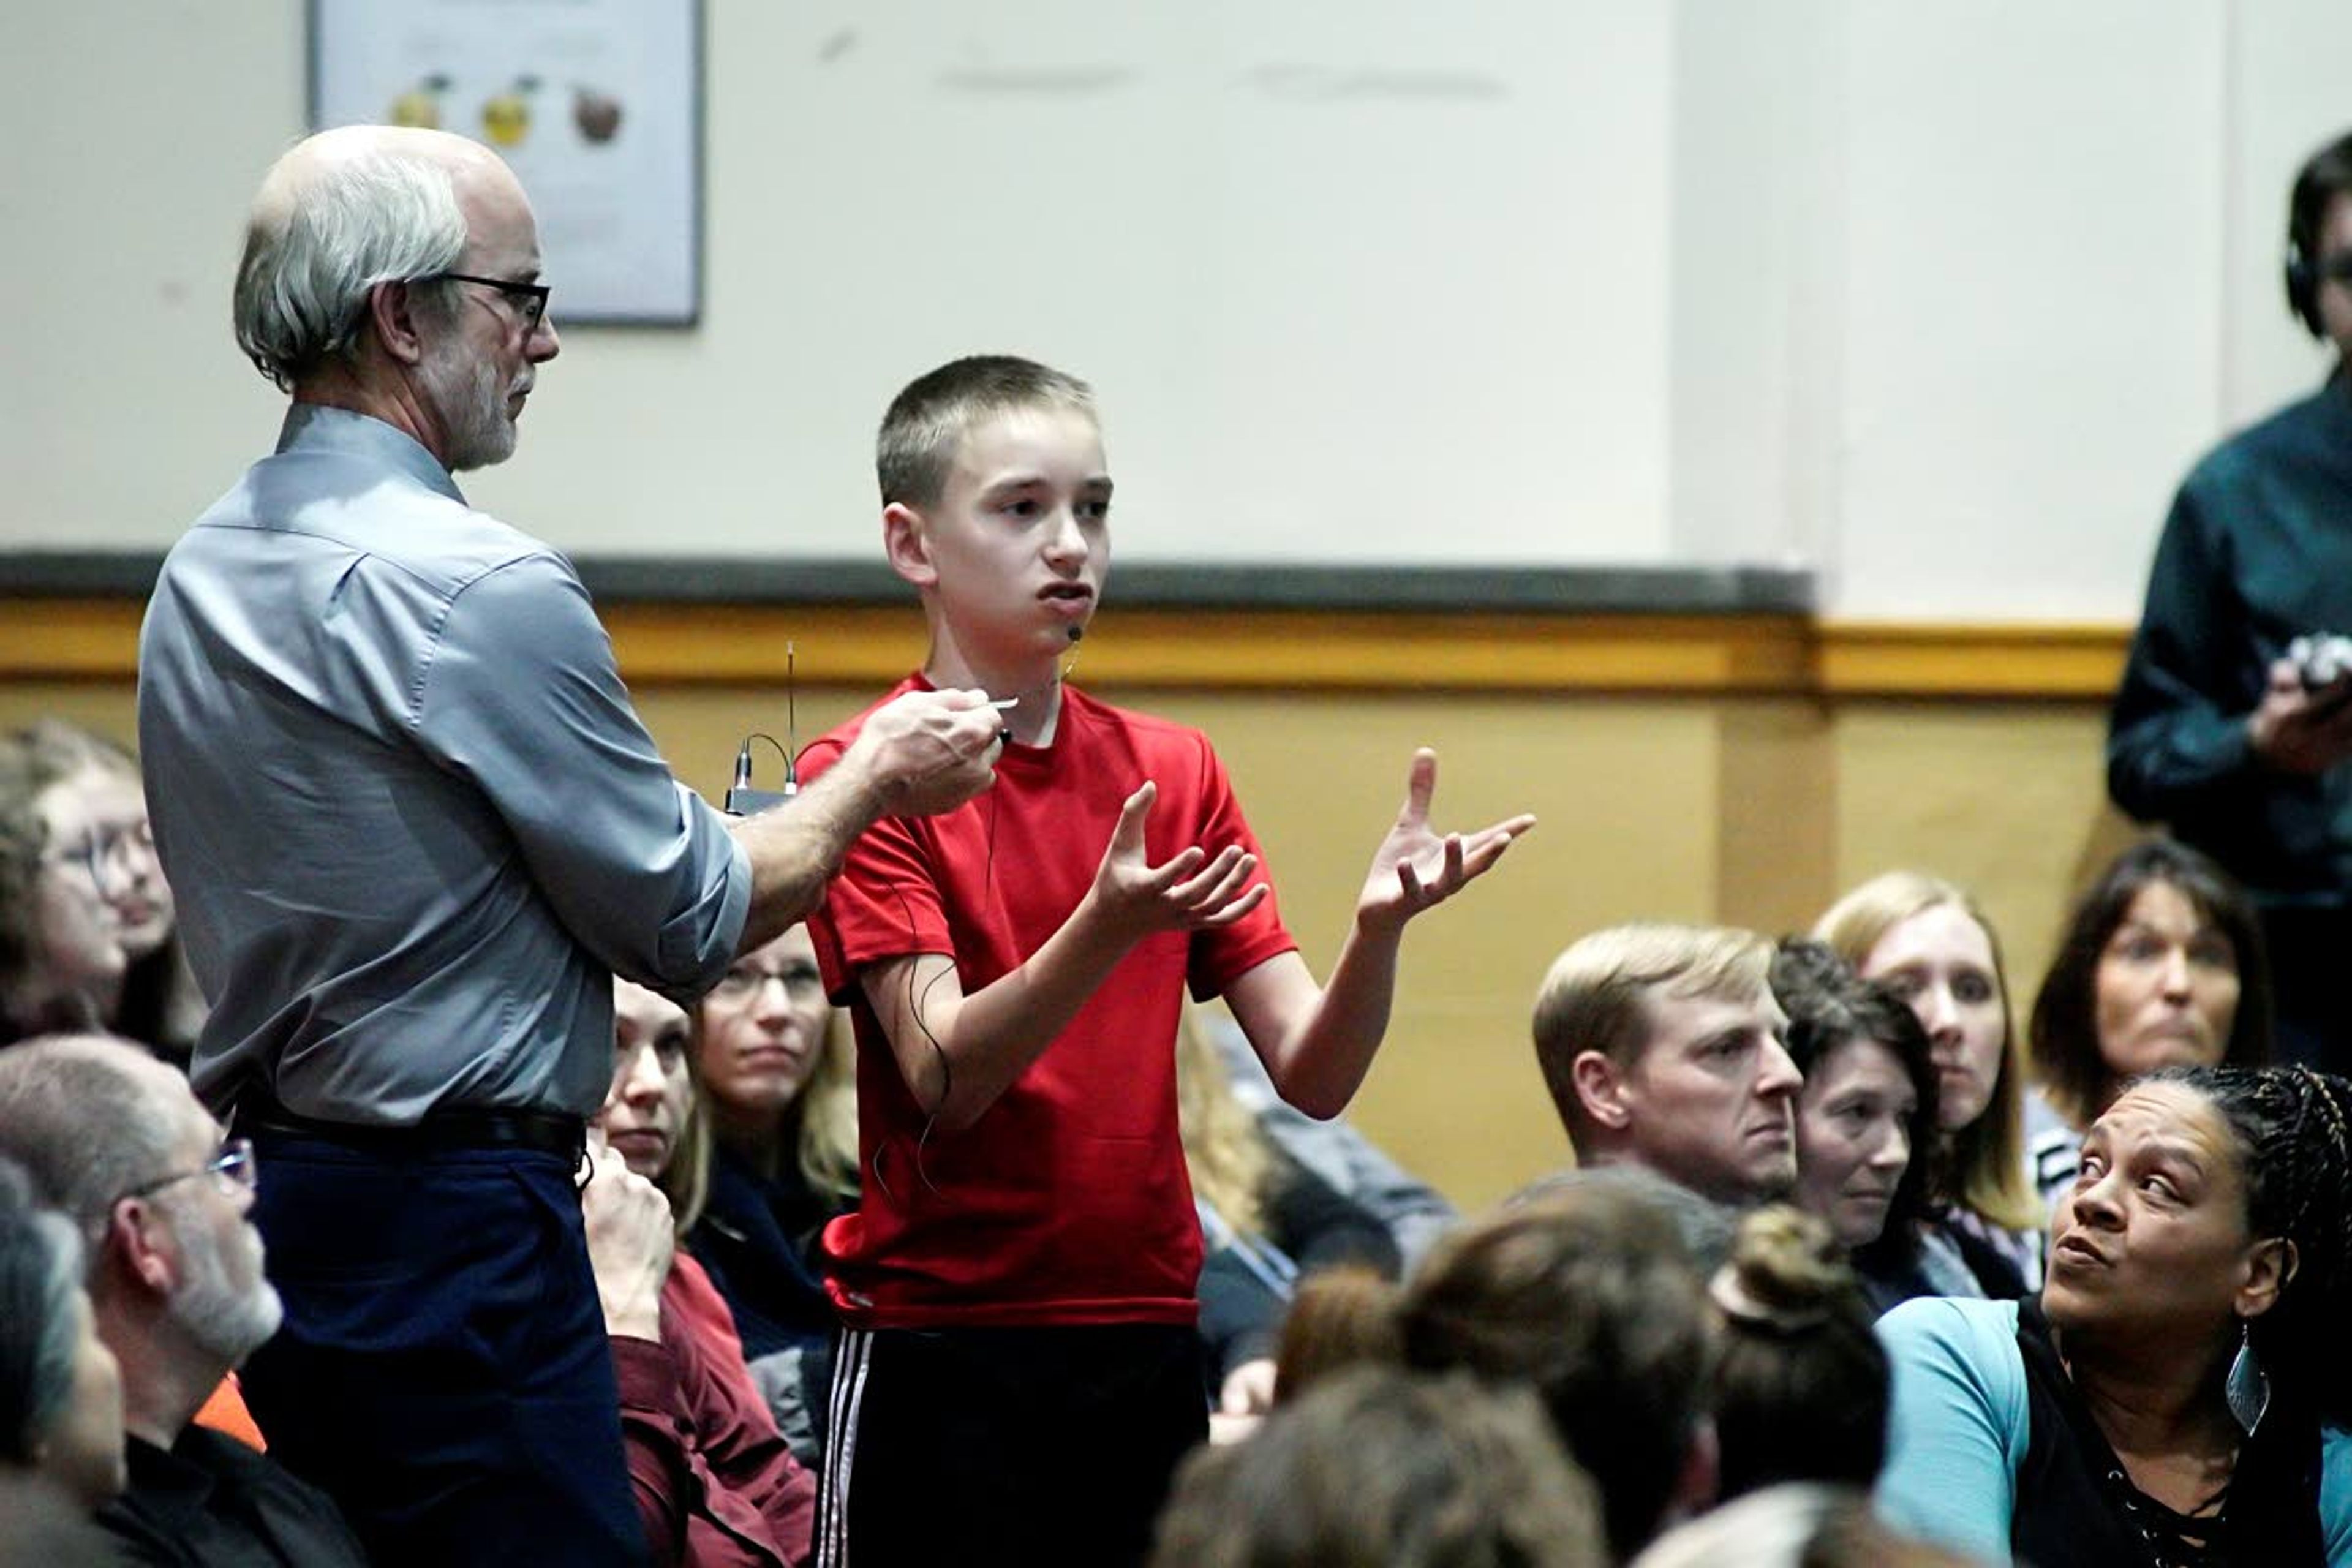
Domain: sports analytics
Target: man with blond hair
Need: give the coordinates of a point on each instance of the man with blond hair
(1661, 1046)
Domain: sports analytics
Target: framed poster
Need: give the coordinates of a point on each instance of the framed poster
(597, 104)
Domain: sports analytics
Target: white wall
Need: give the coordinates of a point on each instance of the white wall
(1941, 296)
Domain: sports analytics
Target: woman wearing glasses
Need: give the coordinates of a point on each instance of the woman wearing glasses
(778, 1078)
(61, 959)
(102, 951)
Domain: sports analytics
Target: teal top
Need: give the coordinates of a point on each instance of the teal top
(1958, 1431)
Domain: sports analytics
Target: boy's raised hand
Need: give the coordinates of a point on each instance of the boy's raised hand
(1185, 893)
(1414, 869)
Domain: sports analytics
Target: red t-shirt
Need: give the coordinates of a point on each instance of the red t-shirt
(1066, 1202)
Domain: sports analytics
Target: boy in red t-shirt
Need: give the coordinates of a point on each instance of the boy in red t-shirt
(1019, 1370)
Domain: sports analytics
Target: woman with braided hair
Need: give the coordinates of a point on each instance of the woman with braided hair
(2181, 1392)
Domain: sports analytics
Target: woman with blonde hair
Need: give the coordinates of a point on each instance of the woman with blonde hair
(778, 1077)
(1928, 940)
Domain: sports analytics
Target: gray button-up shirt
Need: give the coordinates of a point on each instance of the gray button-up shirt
(413, 825)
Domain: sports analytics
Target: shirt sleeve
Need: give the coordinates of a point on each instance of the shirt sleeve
(1222, 954)
(2177, 730)
(745, 1454)
(1956, 1432)
(2335, 1495)
(522, 696)
(657, 1434)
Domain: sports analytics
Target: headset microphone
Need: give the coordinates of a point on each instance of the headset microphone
(1077, 632)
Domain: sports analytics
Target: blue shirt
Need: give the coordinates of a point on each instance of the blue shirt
(412, 822)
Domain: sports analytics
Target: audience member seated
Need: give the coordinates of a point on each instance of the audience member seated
(1661, 1046)
(61, 960)
(2161, 966)
(1588, 1294)
(43, 1526)
(1379, 1467)
(1865, 1124)
(778, 1076)
(1333, 1151)
(1799, 1383)
(60, 1393)
(95, 805)
(2180, 1391)
(115, 1141)
(1795, 1525)
(715, 1483)
(1928, 941)
(1264, 1221)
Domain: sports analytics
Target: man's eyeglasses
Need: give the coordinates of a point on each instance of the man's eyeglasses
(232, 1169)
(530, 298)
(744, 984)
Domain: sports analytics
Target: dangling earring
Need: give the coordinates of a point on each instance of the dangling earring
(2248, 1387)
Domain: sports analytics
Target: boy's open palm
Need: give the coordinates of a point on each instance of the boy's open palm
(1415, 867)
(1187, 893)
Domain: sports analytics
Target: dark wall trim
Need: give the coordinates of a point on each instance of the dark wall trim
(622, 579)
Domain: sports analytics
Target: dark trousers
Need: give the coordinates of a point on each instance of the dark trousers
(2310, 952)
(1041, 1447)
(444, 1371)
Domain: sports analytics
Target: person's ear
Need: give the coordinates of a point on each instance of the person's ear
(1600, 1089)
(392, 316)
(906, 542)
(2269, 1266)
(140, 1244)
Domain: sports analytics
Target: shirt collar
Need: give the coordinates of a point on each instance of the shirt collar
(318, 427)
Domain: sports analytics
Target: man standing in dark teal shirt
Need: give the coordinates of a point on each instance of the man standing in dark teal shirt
(2215, 731)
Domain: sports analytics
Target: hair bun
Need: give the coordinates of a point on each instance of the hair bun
(1786, 1273)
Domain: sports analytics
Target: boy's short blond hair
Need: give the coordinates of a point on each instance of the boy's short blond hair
(927, 423)
(1596, 995)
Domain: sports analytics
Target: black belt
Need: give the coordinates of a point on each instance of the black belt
(443, 1128)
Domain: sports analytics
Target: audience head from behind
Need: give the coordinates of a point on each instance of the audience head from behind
(1928, 941)
(1589, 1295)
(1794, 1525)
(1866, 1117)
(1801, 1383)
(1662, 1047)
(162, 1197)
(393, 272)
(2161, 966)
(651, 1116)
(60, 1390)
(1383, 1467)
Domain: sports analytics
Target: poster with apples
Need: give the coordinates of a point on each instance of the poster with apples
(595, 103)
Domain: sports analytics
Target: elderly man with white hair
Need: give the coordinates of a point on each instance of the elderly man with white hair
(416, 827)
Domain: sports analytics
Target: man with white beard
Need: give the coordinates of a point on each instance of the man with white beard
(114, 1140)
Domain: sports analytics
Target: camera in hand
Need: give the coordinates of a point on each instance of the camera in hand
(2321, 660)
